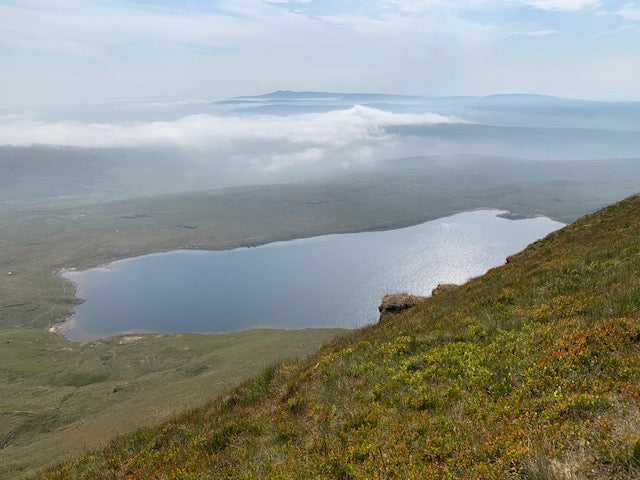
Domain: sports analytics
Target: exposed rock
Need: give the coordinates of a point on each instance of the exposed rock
(443, 287)
(392, 304)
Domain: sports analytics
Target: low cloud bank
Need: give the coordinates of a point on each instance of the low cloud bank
(239, 146)
(337, 128)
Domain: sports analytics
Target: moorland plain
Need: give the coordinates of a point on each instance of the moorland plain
(59, 398)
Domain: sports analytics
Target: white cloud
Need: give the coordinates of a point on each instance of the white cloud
(562, 5)
(86, 28)
(538, 33)
(338, 128)
(261, 143)
(414, 6)
(73, 50)
(358, 21)
(286, 2)
(630, 12)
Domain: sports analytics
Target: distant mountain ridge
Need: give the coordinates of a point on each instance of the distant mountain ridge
(306, 95)
(492, 99)
(497, 109)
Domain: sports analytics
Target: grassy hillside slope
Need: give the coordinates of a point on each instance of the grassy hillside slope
(64, 398)
(531, 371)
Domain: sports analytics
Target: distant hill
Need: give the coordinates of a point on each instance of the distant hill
(495, 100)
(531, 371)
(514, 109)
(511, 99)
(292, 95)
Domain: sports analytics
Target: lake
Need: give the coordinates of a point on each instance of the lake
(326, 281)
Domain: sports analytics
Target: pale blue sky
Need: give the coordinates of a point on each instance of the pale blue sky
(63, 51)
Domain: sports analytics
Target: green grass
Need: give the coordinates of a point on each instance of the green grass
(59, 398)
(531, 371)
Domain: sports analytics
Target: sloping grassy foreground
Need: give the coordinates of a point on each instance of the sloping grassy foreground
(531, 371)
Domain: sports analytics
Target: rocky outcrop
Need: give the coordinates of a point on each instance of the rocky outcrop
(443, 287)
(393, 304)
(397, 302)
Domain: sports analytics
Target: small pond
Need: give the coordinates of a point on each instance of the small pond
(327, 281)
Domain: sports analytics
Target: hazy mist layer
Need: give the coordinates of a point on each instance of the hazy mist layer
(170, 146)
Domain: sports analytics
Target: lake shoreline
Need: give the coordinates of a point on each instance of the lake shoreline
(232, 296)
(55, 328)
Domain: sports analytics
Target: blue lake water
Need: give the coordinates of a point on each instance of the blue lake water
(327, 281)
